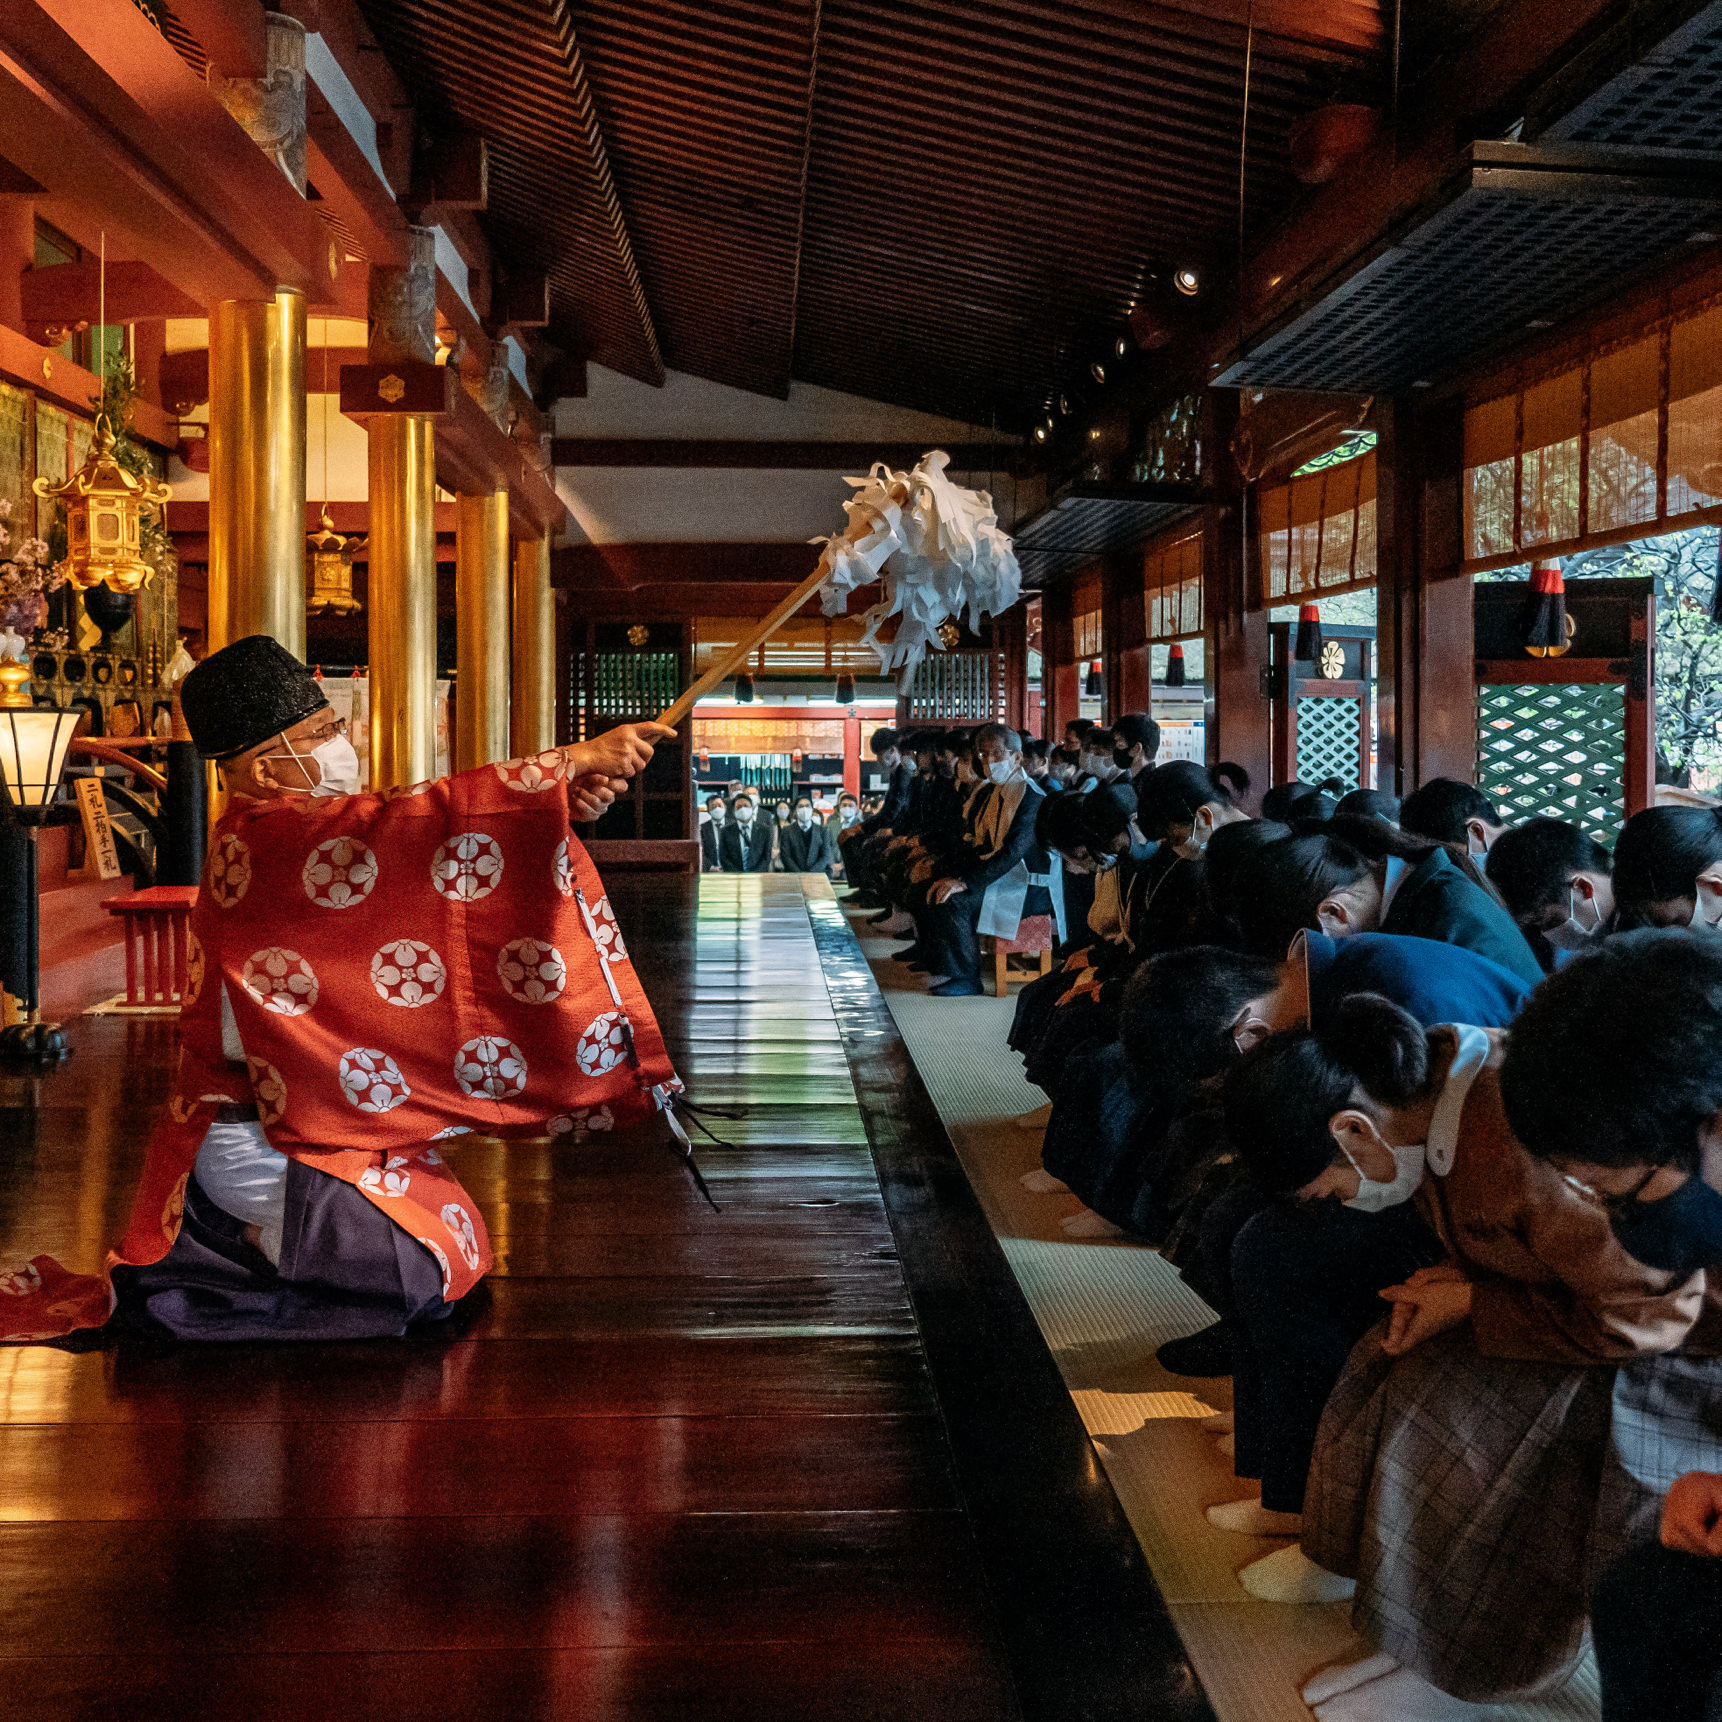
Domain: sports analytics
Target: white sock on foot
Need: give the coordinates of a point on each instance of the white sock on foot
(1035, 1120)
(1042, 1182)
(1342, 1676)
(1089, 1224)
(1289, 1575)
(1249, 1518)
(1400, 1697)
(1219, 1424)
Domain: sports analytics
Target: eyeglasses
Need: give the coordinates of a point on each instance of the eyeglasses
(1618, 1202)
(309, 743)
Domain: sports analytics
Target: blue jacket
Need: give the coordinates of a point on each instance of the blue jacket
(1435, 982)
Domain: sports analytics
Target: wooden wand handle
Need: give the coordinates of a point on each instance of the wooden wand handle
(726, 665)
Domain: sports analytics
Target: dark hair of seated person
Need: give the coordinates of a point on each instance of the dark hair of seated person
(1106, 815)
(1226, 856)
(1137, 728)
(1440, 808)
(1171, 795)
(1369, 804)
(1059, 826)
(1032, 749)
(1079, 727)
(1533, 864)
(1617, 1056)
(1178, 1010)
(1278, 801)
(1379, 839)
(1280, 886)
(1281, 1094)
(1658, 857)
(882, 741)
(1315, 808)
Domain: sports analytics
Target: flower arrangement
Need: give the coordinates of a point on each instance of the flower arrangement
(27, 576)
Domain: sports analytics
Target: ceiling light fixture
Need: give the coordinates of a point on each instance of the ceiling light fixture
(1188, 282)
(1097, 371)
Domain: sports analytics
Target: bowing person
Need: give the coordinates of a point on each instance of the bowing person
(804, 845)
(998, 875)
(746, 844)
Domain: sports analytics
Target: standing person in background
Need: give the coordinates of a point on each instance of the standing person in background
(747, 844)
(804, 845)
(1447, 811)
(711, 832)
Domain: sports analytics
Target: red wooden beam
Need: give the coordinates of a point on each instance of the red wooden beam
(68, 293)
(230, 32)
(801, 455)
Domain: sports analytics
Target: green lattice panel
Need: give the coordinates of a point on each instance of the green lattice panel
(1327, 732)
(1558, 749)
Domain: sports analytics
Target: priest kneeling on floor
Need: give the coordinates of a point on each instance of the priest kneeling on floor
(368, 975)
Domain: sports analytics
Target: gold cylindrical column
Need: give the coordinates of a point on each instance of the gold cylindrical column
(257, 470)
(481, 630)
(401, 597)
(532, 711)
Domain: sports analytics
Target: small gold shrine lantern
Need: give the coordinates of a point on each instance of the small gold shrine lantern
(104, 517)
(332, 569)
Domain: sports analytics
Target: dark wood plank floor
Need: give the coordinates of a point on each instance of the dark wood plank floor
(682, 1464)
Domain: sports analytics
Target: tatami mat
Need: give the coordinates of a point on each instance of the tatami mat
(1104, 1306)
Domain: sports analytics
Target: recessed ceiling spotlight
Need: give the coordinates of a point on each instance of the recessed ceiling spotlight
(1188, 282)
(1120, 347)
(1041, 432)
(1097, 371)
(1064, 405)
(1094, 433)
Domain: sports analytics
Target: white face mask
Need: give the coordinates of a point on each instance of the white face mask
(1372, 1197)
(1572, 934)
(1698, 918)
(1097, 764)
(804, 817)
(716, 815)
(337, 765)
(846, 816)
(1191, 848)
(744, 816)
(1003, 770)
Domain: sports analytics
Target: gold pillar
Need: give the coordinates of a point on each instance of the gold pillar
(257, 470)
(401, 599)
(532, 712)
(481, 630)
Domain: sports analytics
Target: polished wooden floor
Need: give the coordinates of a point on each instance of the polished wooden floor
(683, 1464)
(677, 1463)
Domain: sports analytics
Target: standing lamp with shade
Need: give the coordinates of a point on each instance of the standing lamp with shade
(34, 742)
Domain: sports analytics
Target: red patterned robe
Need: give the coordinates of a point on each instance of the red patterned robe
(403, 967)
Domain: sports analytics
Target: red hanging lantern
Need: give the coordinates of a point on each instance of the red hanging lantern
(1175, 665)
(1309, 641)
(1543, 623)
(1094, 682)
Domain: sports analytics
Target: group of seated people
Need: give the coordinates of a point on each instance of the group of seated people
(1428, 1109)
(737, 836)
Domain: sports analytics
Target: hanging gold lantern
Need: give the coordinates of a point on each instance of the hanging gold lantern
(104, 517)
(332, 569)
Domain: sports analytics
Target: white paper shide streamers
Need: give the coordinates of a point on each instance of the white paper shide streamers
(937, 547)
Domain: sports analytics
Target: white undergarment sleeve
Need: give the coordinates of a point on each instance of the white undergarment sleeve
(243, 1176)
(232, 1048)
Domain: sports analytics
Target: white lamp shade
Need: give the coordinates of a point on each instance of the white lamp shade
(34, 741)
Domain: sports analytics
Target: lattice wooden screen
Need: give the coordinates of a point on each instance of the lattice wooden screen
(1622, 446)
(1327, 739)
(1318, 532)
(1556, 748)
(959, 687)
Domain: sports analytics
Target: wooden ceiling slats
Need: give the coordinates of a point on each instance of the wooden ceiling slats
(940, 214)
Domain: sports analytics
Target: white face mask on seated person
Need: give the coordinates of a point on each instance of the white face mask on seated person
(1368, 1152)
(743, 814)
(337, 763)
(804, 817)
(1575, 933)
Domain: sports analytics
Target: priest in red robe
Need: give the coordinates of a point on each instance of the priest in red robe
(369, 976)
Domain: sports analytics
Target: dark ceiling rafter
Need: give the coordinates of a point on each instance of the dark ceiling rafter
(514, 72)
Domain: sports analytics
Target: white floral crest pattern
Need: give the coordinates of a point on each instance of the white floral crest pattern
(581, 1122)
(562, 869)
(542, 771)
(459, 1223)
(490, 1066)
(371, 1080)
(408, 973)
(193, 970)
(441, 1261)
(280, 980)
(531, 970)
(20, 1279)
(447, 1131)
(269, 1089)
(339, 872)
(608, 932)
(229, 870)
(467, 867)
(604, 1044)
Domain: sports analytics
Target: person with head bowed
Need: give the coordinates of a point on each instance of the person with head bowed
(1558, 884)
(329, 1034)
